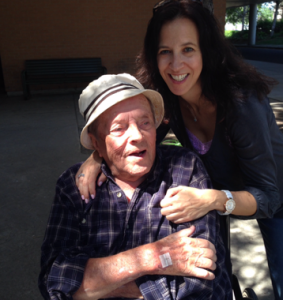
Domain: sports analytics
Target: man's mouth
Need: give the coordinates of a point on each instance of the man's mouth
(138, 153)
(179, 77)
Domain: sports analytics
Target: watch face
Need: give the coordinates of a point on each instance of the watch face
(230, 205)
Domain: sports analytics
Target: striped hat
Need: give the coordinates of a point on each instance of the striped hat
(109, 90)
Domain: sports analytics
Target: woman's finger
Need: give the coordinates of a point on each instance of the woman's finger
(83, 188)
(173, 191)
(102, 178)
(171, 200)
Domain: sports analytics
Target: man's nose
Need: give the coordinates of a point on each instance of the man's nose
(134, 133)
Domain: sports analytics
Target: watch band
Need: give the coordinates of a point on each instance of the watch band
(229, 205)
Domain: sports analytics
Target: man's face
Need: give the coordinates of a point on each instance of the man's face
(126, 138)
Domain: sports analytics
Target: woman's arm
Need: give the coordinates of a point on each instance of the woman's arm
(183, 204)
(250, 130)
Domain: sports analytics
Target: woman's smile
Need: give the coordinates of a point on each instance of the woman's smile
(179, 58)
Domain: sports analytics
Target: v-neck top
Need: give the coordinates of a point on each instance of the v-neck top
(199, 146)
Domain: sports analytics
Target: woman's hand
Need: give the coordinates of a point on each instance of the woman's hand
(183, 204)
(87, 183)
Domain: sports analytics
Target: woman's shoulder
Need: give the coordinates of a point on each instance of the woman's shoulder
(249, 111)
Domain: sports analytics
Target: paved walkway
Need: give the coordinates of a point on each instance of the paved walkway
(39, 139)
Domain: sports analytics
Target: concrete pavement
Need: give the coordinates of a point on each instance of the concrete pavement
(39, 139)
(247, 249)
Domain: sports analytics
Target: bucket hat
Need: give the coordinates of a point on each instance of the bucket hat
(108, 90)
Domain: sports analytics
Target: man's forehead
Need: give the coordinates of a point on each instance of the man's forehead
(139, 104)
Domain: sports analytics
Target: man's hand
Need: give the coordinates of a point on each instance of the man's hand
(190, 256)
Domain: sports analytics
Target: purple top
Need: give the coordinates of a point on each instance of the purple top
(198, 145)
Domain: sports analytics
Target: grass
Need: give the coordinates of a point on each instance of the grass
(271, 41)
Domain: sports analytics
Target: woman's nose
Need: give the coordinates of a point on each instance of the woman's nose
(177, 62)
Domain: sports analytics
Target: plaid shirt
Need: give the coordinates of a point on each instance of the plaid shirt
(109, 225)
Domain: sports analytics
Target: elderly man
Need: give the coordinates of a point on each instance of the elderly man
(119, 245)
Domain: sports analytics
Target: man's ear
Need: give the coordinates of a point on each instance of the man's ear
(95, 143)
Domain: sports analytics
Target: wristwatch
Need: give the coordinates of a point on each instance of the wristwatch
(229, 205)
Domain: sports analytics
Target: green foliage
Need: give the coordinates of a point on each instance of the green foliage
(279, 26)
(264, 13)
(234, 15)
(171, 142)
(277, 39)
(238, 35)
(264, 26)
(262, 37)
(228, 33)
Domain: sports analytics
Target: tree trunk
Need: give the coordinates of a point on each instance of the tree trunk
(243, 17)
(275, 18)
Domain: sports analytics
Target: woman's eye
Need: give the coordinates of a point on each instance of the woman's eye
(162, 52)
(188, 49)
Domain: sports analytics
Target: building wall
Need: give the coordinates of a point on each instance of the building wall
(220, 11)
(110, 29)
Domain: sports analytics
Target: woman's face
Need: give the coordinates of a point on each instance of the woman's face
(179, 58)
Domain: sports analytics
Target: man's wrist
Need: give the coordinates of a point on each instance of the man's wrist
(148, 259)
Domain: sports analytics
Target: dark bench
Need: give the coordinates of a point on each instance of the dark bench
(56, 71)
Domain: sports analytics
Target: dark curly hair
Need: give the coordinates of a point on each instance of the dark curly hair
(225, 77)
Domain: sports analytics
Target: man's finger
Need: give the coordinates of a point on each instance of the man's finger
(186, 232)
(203, 244)
(202, 273)
(205, 263)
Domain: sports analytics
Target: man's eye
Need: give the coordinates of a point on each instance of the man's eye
(117, 129)
(147, 124)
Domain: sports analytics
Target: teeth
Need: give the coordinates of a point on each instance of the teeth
(179, 77)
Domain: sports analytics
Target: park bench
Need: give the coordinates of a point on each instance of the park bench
(57, 71)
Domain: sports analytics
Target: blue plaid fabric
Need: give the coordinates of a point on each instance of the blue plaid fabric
(109, 224)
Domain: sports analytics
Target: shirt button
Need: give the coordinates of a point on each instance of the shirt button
(83, 221)
(119, 195)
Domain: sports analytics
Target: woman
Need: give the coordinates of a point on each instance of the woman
(216, 105)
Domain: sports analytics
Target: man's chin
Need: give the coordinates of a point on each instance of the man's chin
(134, 173)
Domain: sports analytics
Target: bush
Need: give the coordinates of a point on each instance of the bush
(261, 35)
(237, 35)
(279, 26)
(264, 26)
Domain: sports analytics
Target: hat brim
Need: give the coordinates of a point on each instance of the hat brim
(154, 97)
